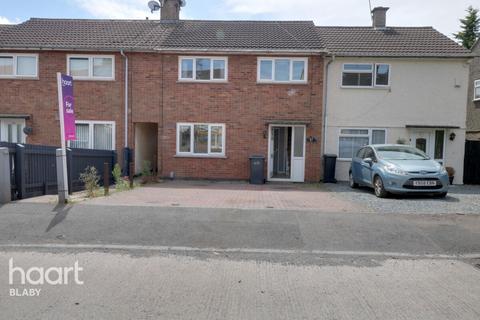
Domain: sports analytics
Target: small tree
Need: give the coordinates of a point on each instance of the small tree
(90, 179)
(470, 28)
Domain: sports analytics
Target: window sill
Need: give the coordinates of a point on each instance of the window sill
(203, 81)
(283, 82)
(371, 88)
(200, 156)
(18, 78)
(344, 160)
(94, 79)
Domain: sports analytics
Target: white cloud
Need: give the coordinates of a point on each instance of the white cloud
(4, 20)
(441, 14)
(118, 9)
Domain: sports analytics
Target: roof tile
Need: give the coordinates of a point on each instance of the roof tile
(389, 42)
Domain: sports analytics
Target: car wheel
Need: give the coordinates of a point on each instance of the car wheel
(351, 181)
(379, 188)
(441, 195)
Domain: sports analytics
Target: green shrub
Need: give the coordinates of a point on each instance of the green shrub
(90, 179)
(120, 182)
(147, 169)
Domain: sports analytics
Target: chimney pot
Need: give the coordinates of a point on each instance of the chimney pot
(379, 17)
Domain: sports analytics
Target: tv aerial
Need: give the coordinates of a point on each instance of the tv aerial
(157, 5)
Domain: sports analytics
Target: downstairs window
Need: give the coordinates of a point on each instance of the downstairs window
(200, 139)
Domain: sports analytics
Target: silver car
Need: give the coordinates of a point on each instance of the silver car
(397, 169)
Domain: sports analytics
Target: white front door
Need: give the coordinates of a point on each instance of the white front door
(298, 154)
(286, 155)
(11, 130)
(432, 142)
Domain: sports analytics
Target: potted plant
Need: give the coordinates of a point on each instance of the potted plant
(451, 174)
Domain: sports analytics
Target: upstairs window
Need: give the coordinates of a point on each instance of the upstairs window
(82, 67)
(476, 90)
(202, 69)
(18, 65)
(293, 70)
(365, 75)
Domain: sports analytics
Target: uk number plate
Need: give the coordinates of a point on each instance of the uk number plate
(425, 183)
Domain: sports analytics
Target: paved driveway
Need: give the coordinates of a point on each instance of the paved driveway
(310, 197)
(235, 195)
(460, 200)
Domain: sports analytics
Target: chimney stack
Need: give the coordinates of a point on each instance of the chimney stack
(379, 17)
(171, 10)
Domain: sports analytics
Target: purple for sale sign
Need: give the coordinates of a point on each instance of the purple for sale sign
(68, 107)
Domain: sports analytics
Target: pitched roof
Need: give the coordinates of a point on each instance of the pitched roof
(82, 34)
(389, 42)
(4, 27)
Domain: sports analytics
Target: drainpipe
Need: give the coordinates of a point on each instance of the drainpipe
(126, 150)
(325, 104)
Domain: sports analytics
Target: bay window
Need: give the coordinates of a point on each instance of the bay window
(288, 70)
(99, 135)
(202, 69)
(82, 67)
(18, 65)
(200, 139)
(350, 140)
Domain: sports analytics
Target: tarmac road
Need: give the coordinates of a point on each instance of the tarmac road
(180, 263)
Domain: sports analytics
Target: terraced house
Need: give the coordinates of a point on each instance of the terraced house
(197, 98)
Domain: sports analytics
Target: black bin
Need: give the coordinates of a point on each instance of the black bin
(257, 164)
(329, 163)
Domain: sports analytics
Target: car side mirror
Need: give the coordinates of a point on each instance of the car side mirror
(369, 161)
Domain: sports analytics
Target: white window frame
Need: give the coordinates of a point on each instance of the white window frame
(373, 73)
(91, 124)
(291, 59)
(476, 87)
(369, 136)
(194, 69)
(4, 122)
(15, 57)
(192, 140)
(90, 67)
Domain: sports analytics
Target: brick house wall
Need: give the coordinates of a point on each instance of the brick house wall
(94, 100)
(241, 104)
(473, 108)
(244, 107)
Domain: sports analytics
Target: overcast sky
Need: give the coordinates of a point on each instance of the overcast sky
(441, 14)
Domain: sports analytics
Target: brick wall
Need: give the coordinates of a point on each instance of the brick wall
(94, 100)
(473, 108)
(242, 104)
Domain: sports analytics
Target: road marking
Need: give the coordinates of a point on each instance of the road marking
(238, 250)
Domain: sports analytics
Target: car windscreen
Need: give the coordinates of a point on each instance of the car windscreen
(400, 153)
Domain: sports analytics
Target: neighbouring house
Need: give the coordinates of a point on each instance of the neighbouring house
(473, 109)
(195, 98)
(405, 85)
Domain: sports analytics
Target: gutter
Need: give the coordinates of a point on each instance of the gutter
(126, 97)
(231, 51)
(325, 104)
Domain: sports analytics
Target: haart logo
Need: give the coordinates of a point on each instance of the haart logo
(36, 276)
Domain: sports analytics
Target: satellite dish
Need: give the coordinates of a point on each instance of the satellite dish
(183, 3)
(154, 6)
